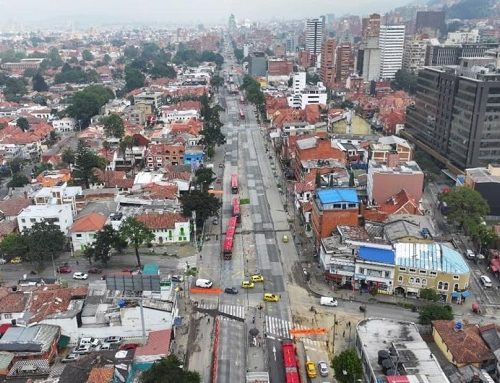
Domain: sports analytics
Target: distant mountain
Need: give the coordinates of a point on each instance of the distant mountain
(471, 9)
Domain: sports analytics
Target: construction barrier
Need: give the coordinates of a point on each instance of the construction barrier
(215, 352)
(201, 290)
(308, 331)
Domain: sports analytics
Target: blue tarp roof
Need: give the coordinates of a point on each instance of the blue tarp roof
(373, 254)
(337, 195)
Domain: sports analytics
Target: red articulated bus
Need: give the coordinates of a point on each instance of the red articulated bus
(242, 99)
(290, 362)
(234, 184)
(236, 209)
(242, 115)
(227, 249)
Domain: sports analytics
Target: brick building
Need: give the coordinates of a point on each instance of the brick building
(331, 208)
(327, 72)
(161, 155)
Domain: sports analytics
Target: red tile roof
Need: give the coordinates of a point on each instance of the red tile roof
(183, 105)
(312, 113)
(155, 191)
(7, 227)
(14, 302)
(101, 375)
(158, 344)
(400, 203)
(13, 206)
(114, 178)
(49, 300)
(192, 126)
(466, 345)
(165, 220)
(89, 223)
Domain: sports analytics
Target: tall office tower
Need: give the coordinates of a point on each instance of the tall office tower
(392, 42)
(315, 31)
(369, 52)
(327, 71)
(456, 113)
(344, 63)
(414, 54)
(232, 23)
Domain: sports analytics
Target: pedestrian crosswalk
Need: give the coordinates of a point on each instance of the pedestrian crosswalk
(280, 328)
(233, 310)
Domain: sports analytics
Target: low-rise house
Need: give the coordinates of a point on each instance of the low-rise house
(386, 145)
(157, 347)
(194, 156)
(401, 203)
(85, 228)
(64, 125)
(431, 265)
(462, 344)
(59, 215)
(10, 208)
(161, 155)
(51, 178)
(167, 227)
(58, 195)
(374, 269)
(12, 306)
(112, 179)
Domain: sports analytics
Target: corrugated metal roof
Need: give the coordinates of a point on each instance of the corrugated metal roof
(337, 195)
(373, 254)
(430, 256)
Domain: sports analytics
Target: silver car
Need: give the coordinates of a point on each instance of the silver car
(323, 368)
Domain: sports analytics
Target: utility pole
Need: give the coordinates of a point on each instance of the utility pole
(334, 331)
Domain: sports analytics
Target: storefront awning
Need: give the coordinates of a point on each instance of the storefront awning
(455, 294)
(411, 290)
(465, 294)
(63, 341)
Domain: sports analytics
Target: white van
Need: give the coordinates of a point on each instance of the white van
(204, 283)
(93, 342)
(328, 301)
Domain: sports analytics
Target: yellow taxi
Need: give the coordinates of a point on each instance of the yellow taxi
(285, 238)
(311, 369)
(257, 278)
(247, 284)
(268, 297)
(16, 260)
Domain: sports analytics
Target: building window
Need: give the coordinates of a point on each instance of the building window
(403, 269)
(424, 282)
(446, 286)
(423, 272)
(7, 316)
(455, 287)
(411, 280)
(456, 277)
(400, 279)
(413, 270)
(440, 285)
(432, 273)
(361, 270)
(78, 235)
(417, 281)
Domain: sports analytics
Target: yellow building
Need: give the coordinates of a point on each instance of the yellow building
(461, 343)
(430, 265)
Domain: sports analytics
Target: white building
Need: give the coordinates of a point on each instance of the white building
(311, 94)
(391, 41)
(84, 230)
(149, 98)
(298, 82)
(461, 37)
(58, 195)
(63, 125)
(59, 215)
(169, 115)
(168, 227)
(315, 29)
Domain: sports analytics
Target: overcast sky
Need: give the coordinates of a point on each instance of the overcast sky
(184, 11)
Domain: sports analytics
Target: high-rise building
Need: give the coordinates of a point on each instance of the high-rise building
(443, 54)
(257, 64)
(456, 114)
(368, 63)
(327, 72)
(344, 63)
(414, 54)
(431, 23)
(315, 32)
(391, 41)
(232, 23)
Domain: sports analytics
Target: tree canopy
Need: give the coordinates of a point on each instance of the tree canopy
(38, 83)
(405, 80)
(76, 75)
(466, 207)
(204, 177)
(100, 249)
(86, 161)
(86, 103)
(347, 366)
(44, 241)
(169, 370)
(204, 204)
(87, 55)
(435, 312)
(15, 89)
(113, 126)
(137, 234)
(133, 78)
(23, 124)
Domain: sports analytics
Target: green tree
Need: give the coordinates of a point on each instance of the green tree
(429, 294)
(204, 177)
(107, 59)
(113, 126)
(435, 312)
(39, 84)
(29, 72)
(133, 78)
(217, 81)
(466, 207)
(15, 165)
(137, 234)
(44, 241)
(204, 204)
(131, 52)
(169, 370)
(312, 78)
(405, 80)
(126, 142)
(86, 161)
(87, 55)
(162, 70)
(86, 103)
(68, 156)
(15, 89)
(40, 167)
(105, 239)
(13, 245)
(23, 123)
(347, 366)
(18, 180)
(53, 58)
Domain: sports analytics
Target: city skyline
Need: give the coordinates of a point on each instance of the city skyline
(191, 12)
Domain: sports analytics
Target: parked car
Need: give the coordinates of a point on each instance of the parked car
(470, 254)
(105, 347)
(285, 238)
(16, 260)
(3, 261)
(82, 349)
(80, 275)
(64, 269)
(311, 369)
(231, 290)
(112, 339)
(129, 346)
(95, 270)
(94, 342)
(177, 278)
(323, 368)
(71, 357)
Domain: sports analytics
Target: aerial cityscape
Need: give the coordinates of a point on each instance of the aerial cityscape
(250, 192)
